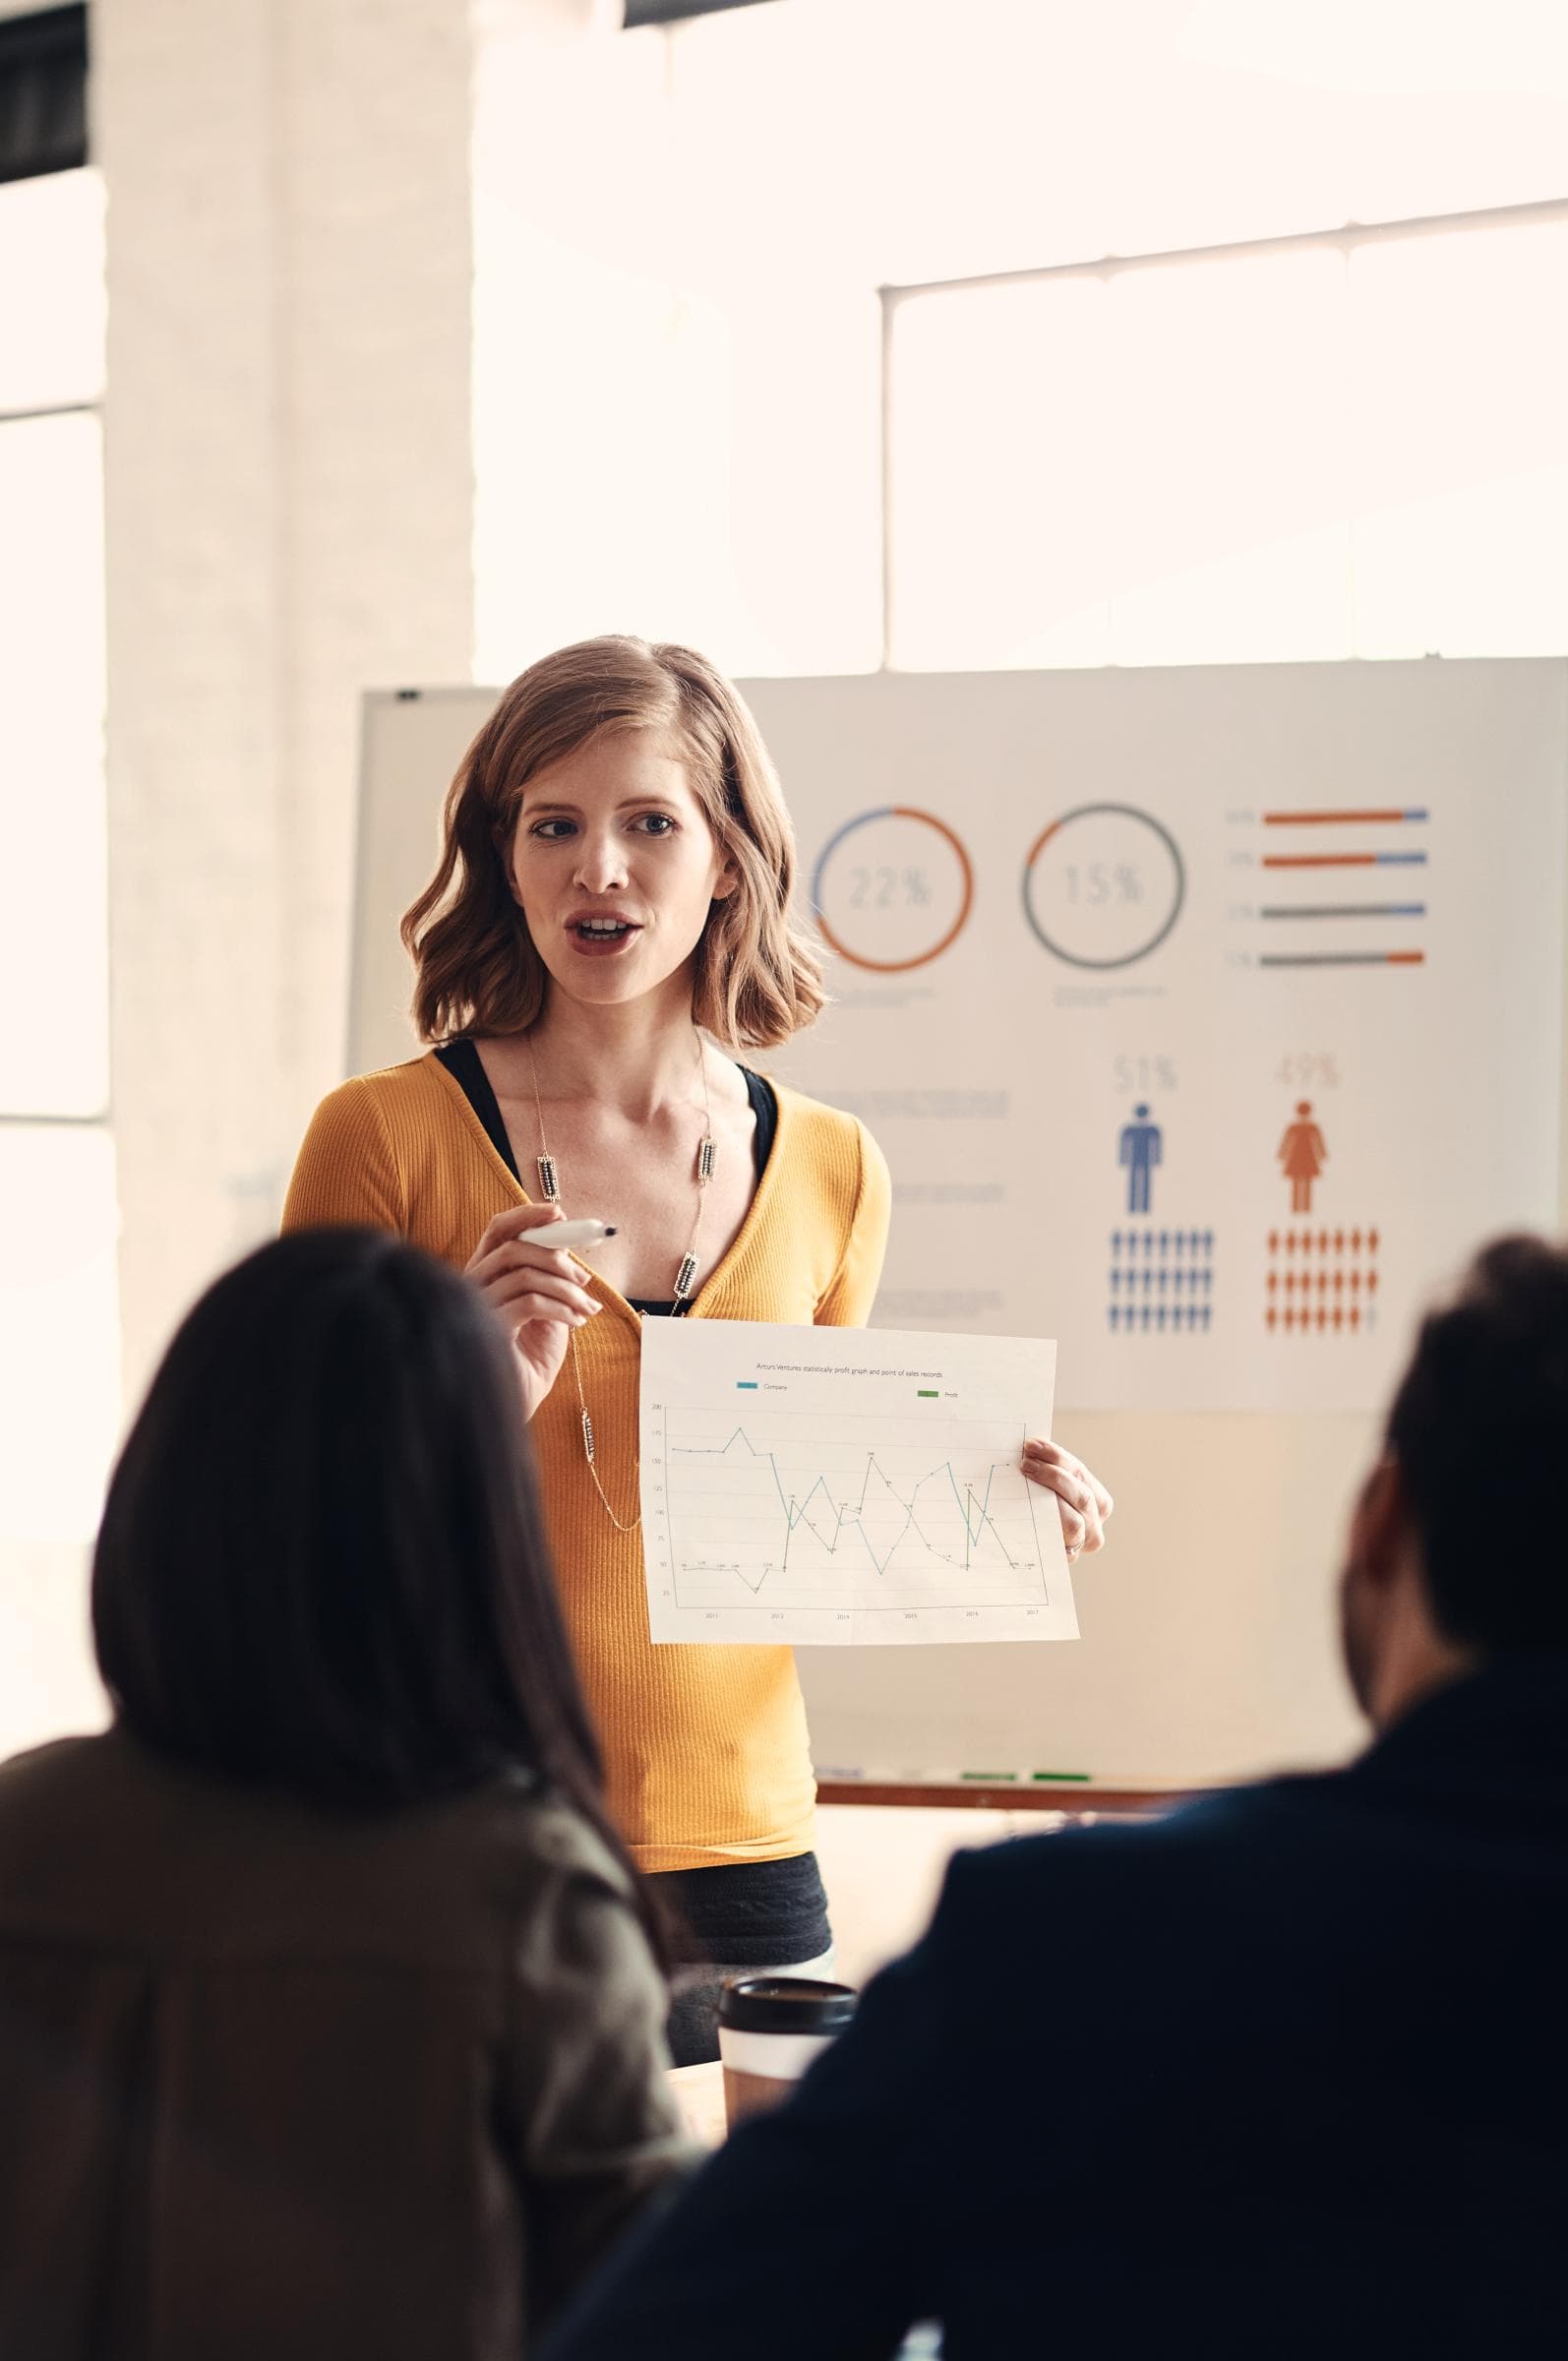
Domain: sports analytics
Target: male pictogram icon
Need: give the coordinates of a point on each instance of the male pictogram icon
(1304, 1155)
(1140, 1153)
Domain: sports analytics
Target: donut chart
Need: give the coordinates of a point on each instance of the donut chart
(1103, 885)
(892, 889)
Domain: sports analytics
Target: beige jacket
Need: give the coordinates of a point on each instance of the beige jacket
(278, 2082)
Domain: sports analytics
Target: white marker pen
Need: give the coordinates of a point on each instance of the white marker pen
(572, 1238)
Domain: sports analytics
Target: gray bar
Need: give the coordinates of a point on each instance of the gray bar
(1332, 959)
(1345, 910)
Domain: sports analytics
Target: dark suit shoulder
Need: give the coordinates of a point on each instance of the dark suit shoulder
(1232, 1869)
(996, 1877)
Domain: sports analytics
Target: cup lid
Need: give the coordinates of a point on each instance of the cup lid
(786, 2004)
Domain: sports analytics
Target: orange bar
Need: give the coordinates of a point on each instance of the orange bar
(1319, 861)
(1339, 819)
(1407, 958)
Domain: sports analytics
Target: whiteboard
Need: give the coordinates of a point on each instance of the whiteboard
(1208, 1648)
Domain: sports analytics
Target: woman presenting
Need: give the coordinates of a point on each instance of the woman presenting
(609, 919)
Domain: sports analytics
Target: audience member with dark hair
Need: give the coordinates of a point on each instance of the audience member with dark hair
(1284, 2076)
(330, 2011)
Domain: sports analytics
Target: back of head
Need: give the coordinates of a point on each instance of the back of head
(322, 1563)
(1479, 1427)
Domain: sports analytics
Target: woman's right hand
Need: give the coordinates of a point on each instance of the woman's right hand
(536, 1295)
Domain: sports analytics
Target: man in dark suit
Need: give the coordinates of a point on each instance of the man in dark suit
(1285, 2075)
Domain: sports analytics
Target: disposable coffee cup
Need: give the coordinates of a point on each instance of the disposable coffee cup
(770, 2029)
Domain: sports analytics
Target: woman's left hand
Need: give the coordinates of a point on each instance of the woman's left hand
(1082, 1500)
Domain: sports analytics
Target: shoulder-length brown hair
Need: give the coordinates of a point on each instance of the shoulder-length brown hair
(758, 978)
(322, 1566)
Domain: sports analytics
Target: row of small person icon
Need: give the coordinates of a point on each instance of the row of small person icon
(1164, 1242)
(1325, 1242)
(1201, 1241)
(1191, 1277)
(1323, 1281)
(1142, 1316)
(1324, 1316)
(1160, 1316)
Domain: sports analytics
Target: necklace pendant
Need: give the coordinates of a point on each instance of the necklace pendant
(707, 1158)
(548, 1181)
(587, 1437)
(684, 1278)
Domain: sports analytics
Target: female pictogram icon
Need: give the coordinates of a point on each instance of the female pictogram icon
(1303, 1155)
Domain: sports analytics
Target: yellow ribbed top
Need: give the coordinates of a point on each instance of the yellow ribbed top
(705, 1748)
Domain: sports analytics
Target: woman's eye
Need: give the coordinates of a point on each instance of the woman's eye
(550, 830)
(657, 824)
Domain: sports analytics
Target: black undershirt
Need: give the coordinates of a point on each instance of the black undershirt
(744, 1914)
(462, 1062)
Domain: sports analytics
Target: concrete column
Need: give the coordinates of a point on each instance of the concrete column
(289, 517)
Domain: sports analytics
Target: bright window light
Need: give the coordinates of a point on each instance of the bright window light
(59, 1332)
(51, 291)
(55, 945)
(1000, 477)
(1312, 451)
(1228, 437)
(1461, 471)
(1177, 429)
(59, 1329)
(1146, 469)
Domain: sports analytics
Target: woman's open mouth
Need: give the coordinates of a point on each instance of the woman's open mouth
(601, 937)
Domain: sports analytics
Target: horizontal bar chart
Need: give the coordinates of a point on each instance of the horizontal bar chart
(1342, 959)
(1383, 819)
(1344, 910)
(1344, 860)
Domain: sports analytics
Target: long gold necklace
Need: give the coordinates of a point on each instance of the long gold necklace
(686, 1276)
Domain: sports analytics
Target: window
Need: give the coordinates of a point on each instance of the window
(1204, 450)
(59, 1353)
(54, 948)
(1351, 444)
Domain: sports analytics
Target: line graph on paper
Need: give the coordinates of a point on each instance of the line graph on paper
(802, 1520)
(832, 1496)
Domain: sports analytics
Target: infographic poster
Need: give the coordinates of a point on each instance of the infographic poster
(1208, 1020)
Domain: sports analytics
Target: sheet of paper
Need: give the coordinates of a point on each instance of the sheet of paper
(846, 1486)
